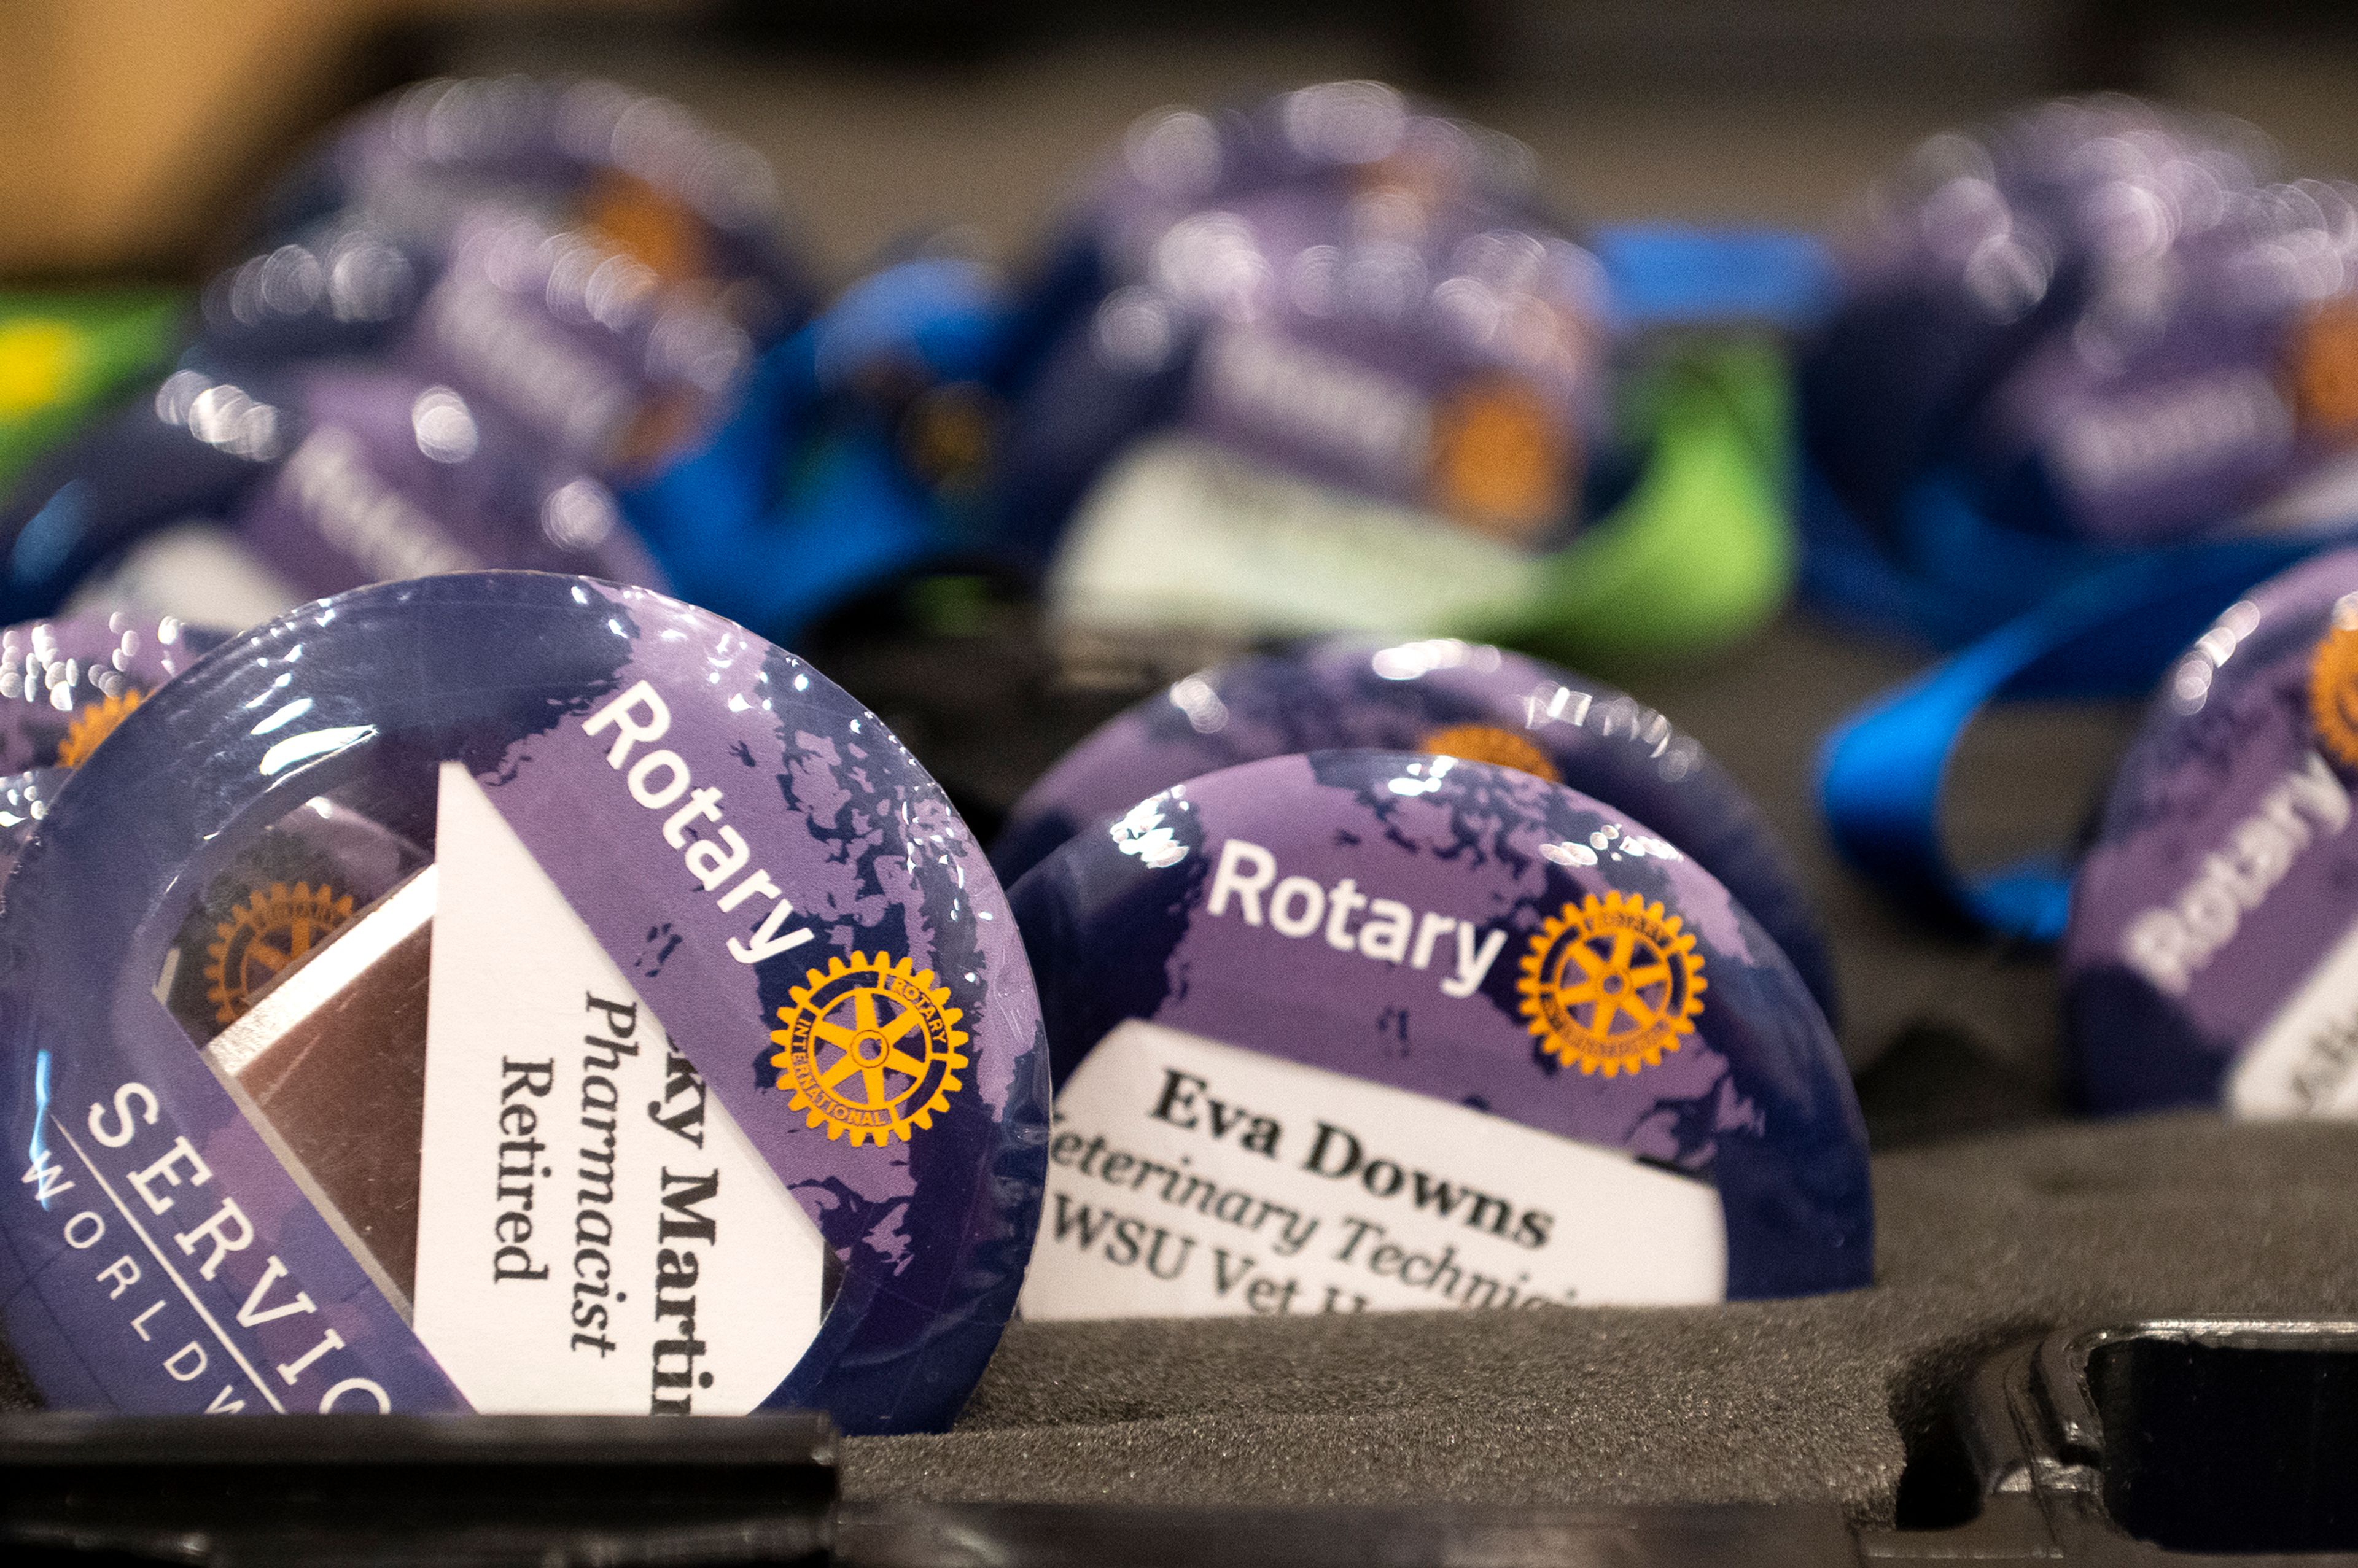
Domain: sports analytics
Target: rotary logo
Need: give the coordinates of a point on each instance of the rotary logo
(1500, 464)
(2325, 371)
(1491, 743)
(2333, 690)
(94, 723)
(263, 937)
(1611, 983)
(870, 1047)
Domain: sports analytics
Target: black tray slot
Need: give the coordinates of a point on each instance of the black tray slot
(2221, 1447)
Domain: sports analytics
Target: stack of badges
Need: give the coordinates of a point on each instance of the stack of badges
(483, 304)
(512, 992)
(1335, 324)
(1440, 695)
(2092, 329)
(64, 685)
(1364, 1030)
(1351, 293)
(2210, 957)
(1326, 365)
(590, 261)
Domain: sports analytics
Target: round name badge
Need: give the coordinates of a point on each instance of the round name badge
(2056, 225)
(2147, 422)
(1336, 332)
(1363, 1030)
(670, 1048)
(1444, 696)
(2212, 955)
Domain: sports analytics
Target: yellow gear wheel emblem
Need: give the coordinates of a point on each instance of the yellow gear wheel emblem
(1491, 743)
(264, 936)
(1611, 983)
(1501, 462)
(2325, 371)
(93, 723)
(870, 1047)
(2333, 693)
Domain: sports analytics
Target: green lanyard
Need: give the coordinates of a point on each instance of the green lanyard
(62, 353)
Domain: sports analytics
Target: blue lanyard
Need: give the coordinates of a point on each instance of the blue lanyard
(2111, 632)
(1678, 275)
(800, 503)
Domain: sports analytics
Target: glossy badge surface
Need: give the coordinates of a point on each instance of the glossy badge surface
(23, 800)
(677, 1054)
(1465, 700)
(66, 684)
(1365, 1029)
(2212, 956)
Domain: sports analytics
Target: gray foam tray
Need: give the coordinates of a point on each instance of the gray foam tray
(1983, 1242)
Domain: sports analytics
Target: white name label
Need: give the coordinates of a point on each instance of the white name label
(2304, 1063)
(1192, 1179)
(199, 572)
(1180, 534)
(595, 1233)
